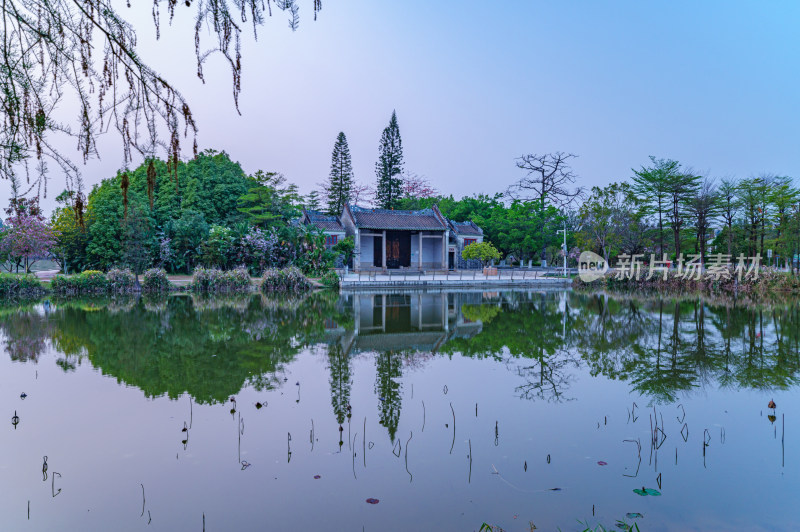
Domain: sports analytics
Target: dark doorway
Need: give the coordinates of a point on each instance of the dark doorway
(451, 259)
(397, 312)
(377, 251)
(398, 249)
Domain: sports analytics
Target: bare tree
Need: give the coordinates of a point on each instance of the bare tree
(549, 179)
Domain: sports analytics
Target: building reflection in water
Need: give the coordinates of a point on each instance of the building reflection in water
(418, 322)
(394, 326)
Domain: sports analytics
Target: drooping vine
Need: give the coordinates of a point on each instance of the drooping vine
(71, 68)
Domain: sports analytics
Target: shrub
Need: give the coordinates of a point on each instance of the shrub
(330, 279)
(482, 251)
(205, 279)
(12, 285)
(120, 280)
(237, 279)
(90, 281)
(286, 279)
(214, 280)
(155, 280)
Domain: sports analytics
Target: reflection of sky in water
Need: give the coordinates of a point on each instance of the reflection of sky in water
(105, 436)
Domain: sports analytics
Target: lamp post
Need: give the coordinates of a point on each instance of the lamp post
(564, 245)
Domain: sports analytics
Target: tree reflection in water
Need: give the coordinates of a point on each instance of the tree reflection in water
(210, 347)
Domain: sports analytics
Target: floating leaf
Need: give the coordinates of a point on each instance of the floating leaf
(654, 493)
(602, 463)
(633, 515)
(641, 492)
(555, 489)
(317, 477)
(373, 501)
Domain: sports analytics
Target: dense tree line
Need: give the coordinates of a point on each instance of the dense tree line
(206, 211)
(668, 209)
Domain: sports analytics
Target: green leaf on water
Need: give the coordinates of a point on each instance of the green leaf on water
(652, 492)
(633, 515)
(641, 492)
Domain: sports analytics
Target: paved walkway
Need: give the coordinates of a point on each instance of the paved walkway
(46, 275)
(451, 279)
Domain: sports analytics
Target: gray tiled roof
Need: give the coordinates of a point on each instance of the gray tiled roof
(325, 222)
(424, 219)
(466, 228)
(333, 226)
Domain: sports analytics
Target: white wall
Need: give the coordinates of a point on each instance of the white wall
(367, 249)
(431, 251)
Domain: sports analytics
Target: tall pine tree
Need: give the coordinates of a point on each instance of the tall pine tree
(312, 201)
(389, 167)
(340, 181)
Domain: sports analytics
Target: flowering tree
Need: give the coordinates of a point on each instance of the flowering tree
(25, 239)
(417, 186)
(258, 249)
(165, 253)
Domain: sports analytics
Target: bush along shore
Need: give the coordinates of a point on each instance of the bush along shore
(289, 279)
(214, 280)
(115, 281)
(156, 280)
(27, 285)
(768, 281)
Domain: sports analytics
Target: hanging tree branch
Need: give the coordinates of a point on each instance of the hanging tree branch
(83, 53)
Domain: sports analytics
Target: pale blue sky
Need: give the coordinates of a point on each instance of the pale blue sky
(476, 84)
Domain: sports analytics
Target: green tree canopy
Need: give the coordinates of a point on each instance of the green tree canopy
(340, 180)
(389, 167)
(482, 251)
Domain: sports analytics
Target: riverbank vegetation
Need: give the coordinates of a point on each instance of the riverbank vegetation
(27, 285)
(207, 213)
(769, 282)
(669, 209)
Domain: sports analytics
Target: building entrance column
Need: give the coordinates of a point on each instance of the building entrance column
(383, 249)
(419, 257)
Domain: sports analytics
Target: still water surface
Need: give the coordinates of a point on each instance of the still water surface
(451, 409)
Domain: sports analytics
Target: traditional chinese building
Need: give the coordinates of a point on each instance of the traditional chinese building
(419, 240)
(330, 226)
(462, 234)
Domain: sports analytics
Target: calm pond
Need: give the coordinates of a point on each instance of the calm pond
(450, 409)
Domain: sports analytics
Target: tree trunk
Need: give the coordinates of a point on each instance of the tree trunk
(730, 238)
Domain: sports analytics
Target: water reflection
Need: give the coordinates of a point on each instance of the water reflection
(357, 358)
(210, 347)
